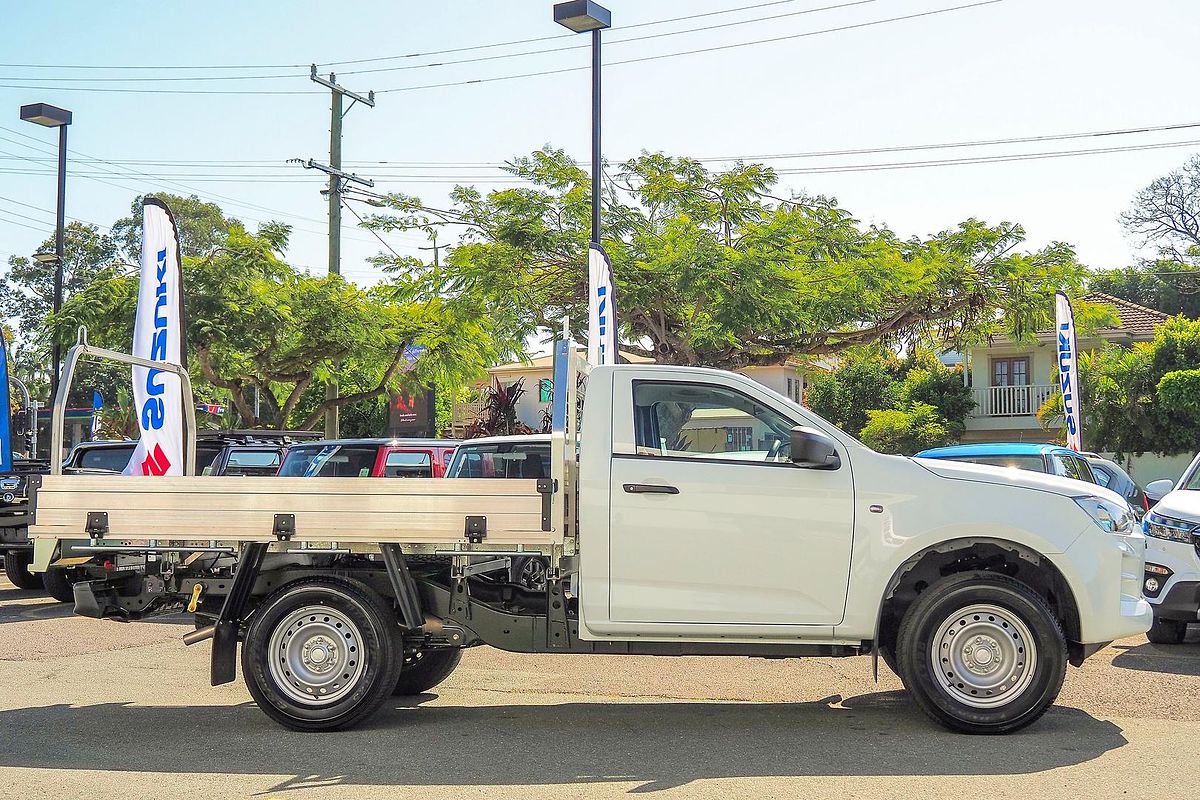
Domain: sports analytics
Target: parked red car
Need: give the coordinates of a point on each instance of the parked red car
(368, 458)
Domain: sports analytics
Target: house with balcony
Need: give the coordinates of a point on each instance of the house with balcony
(1011, 381)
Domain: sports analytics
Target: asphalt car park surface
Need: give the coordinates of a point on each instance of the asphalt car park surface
(101, 709)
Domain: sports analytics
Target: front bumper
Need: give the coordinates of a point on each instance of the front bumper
(1178, 595)
(1105, 571)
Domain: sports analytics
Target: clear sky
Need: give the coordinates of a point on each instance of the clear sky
(1009, 69)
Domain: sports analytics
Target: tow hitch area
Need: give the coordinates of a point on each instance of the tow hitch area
(123, 596)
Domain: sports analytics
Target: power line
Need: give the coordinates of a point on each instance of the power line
(164, 184)
(361, 222)
(389, 58)
(474, 60)
(518, 76)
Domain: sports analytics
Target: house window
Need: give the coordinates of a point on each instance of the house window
(1010, 371)
(1010, 394)
(545, 390)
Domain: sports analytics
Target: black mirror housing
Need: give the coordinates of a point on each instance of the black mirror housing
(812, 449)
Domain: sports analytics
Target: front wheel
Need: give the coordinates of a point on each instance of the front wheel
(322, 655)
(59, 585)
(16, 569)
(981, 653)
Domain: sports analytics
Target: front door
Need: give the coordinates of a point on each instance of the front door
(1010, 386)
(711, 524)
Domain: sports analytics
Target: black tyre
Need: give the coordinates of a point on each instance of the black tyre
(981, 653)
(16, 569)
(58, 584)
(425, 669)
(1167, 631)
(321, 655)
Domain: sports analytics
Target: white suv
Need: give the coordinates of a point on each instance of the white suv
(1172, 580)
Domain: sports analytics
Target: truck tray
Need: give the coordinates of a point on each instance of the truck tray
(343, 510)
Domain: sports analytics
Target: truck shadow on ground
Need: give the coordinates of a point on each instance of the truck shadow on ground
(1174, 659)
(655, 745)
(22, 605)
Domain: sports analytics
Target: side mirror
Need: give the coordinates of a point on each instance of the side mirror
(1157, 490)
(812, 449)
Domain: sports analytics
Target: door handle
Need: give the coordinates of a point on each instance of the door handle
(649, 488)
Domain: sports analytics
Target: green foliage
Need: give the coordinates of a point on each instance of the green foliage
(256, 322)
(845, 395)
(202, 225)
(941, 388)
(1172, 287)
(874, 379)
(905, 431)
(27, 296)
(1179, 393)
(1140, 399)
(711, 268)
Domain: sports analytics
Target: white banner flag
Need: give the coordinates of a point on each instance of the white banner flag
(602, 313)
(158, 335)
(1068, 369)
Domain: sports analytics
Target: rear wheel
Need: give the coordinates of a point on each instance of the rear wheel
(981, 653)
(59, 585)
(16, 569)
(1167, 631)
(321, 655)
(425, 669)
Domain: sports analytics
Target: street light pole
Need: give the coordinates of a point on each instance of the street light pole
(50, 116)
(595, 136)
(582, 16)
(59, 250)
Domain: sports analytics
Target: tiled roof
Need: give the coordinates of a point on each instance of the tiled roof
(1137, 321)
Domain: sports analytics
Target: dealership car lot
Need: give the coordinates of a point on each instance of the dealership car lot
(1127, 725)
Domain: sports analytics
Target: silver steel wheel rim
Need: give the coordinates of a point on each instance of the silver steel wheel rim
(316, 655)
(983, 656)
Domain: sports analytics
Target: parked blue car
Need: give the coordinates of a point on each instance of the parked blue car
(1052, 459)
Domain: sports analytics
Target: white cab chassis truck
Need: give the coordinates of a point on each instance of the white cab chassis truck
(692, 512)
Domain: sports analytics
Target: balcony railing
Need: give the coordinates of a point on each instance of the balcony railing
(1011, 401)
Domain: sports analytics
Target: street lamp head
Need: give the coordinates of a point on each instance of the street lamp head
(582, 16)
(46, 258)
(46, 114)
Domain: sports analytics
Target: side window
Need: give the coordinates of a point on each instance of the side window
(107, 458)
(1085, 470)
(408, 465)
(1067, 467)
(1102, 477)
(252, 462)
(684, 420)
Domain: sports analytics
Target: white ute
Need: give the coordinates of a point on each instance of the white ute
(1172, 580)
(705, 514)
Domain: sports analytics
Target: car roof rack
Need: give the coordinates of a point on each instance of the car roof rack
(255, 436)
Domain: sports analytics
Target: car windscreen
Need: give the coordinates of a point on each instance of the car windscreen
(329, 461)
(1032, 463)
(501, 460)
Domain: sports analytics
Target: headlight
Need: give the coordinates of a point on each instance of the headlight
(1110, 517)
(1169, 528)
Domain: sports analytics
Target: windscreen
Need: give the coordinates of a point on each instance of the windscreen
(1031, 463)
(329, 461)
